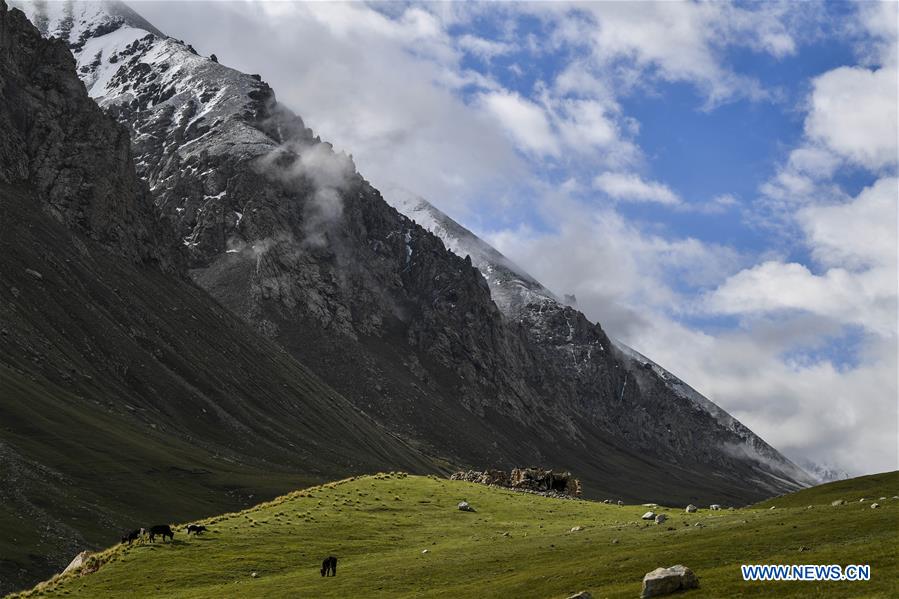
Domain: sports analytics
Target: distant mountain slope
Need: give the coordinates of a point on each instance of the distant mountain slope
(521, 297)
(861, 490)
(127, 394)
(285, 233)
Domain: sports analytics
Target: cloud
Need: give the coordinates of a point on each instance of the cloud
(328, 172)
(620, 273)
(525, 121)
(875, 24)
(857, 244)
(839, 415)
(846, 413)
(866, 299)
(858, 234)
(483, 48)
(853, 114)
(851, 123)
(630, 42)
(587, 125)
(628, 187)
(719, 204)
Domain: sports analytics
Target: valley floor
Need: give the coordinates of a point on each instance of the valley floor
(403, 536)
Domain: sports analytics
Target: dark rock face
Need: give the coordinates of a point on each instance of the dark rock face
(285, 233)
(661, 412)
(57, 139)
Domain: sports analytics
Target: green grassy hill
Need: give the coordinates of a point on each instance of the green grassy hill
(871, 487)
(127, 394)
(402, 536)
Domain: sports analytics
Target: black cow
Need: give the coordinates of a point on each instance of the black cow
(163, 530)
(195, 528)
(329, 565)
(132, 536)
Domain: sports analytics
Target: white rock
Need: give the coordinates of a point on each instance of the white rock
(463, 506)
(838, 502)
(649, 516)
(425, 551)
(78, 561)
(661, 518)
(875, 505)
(690, 509)
(577, 529)
(714, 506)
(663, 581)
(620, 502)
(582, 595)
(254, 574)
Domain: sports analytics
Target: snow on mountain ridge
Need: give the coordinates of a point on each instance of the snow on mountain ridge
(78, 22)
(511, 287)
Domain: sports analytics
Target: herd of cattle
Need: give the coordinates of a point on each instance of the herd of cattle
(329, 564)
(162, 530)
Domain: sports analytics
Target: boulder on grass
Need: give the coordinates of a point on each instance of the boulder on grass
(690, 509)
(79, 561)
(463, 506)
(649, 516)
(661, 518)
(838, 502)
(663, 581)
(582, 595)
(715, 506)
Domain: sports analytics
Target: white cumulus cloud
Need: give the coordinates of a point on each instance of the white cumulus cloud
(628, 187)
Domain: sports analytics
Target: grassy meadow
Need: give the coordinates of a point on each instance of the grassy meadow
(398, 535)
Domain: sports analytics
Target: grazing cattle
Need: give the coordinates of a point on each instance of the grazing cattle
(195, 528)
(164, 530)
(329, 565)
(132, 536)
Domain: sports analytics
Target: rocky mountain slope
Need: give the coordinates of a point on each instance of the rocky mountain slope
(521, 297)
(285, 233)
(127, 394)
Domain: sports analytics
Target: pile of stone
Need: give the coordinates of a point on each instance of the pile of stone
(499, 478)
(529, 480)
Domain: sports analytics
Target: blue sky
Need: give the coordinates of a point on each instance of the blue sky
(716, 182)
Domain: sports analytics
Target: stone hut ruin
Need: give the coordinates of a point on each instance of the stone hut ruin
(534, 480)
